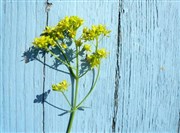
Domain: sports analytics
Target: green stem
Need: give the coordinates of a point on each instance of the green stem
(84, 73)
(66, 64)
(66, 99)
(77, 73)
(96, 43)
(70, 122)
(76, 93)
(70, 68)
(92, 88)
(63, 53)
(55, 56)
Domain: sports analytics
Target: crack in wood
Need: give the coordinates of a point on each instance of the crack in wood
(47, 9)
(117, 73)
(178, 129)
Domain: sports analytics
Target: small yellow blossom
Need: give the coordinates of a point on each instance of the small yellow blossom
(64, 45)
(60, 35)
(72, 33)
(93, 60)
(48, 30)
(87, 47)
(53, 32)
(62, 86)
(94, 32)
(69, 25)
(102, 53)
(78, 43)
(43, 42)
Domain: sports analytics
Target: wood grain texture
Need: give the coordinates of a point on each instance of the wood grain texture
(139, 86)
(1, 95)
(149, 67)
(20, 82)
(98, 117)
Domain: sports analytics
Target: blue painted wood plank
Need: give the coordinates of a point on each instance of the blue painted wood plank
(98, 117)
(1, 94)
(149, 67)
(21, 82)
(141, 93)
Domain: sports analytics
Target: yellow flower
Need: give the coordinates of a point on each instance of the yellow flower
(64, 45)
(48, 30)
(71, 33)
(102, 53)
(87, 47)
(60, 35)
(78, 43)
(70, 25)
(102, 30)
(62, 86)
(89, 57)
(94, 32)
(43, 42)
(93, 60)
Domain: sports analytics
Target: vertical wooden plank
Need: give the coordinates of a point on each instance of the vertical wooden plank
(22, 21)
(149, 69)
(1, 94)
(98, 118)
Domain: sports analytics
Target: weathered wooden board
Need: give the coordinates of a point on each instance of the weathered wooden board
(1, 95)
(149, 63)
(20, 82)
(98, 117)
(138, 90)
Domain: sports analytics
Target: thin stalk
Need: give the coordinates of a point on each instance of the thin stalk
(96, 43)
(55, 56)
(76, 92)
(77, 73)
(63, 53)
(70, 68)
(66, 99)
(72, 72)
(84, 73)
(92, 88)
(66, 64)
(70, 122)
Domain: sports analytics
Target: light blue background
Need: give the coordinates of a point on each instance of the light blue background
(139, 86)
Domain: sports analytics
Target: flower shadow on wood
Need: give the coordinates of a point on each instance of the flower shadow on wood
(33, 54)
(42, 99)
(36, 54)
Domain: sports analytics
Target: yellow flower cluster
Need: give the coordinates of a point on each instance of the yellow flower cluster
(62, 86)
(70, 47)
(70, 25)
(43, 42)
(78, 42)
(101, 53)
(87, 47)
(94, 32)
(53, 32)
(66, 27)
(95, 58)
